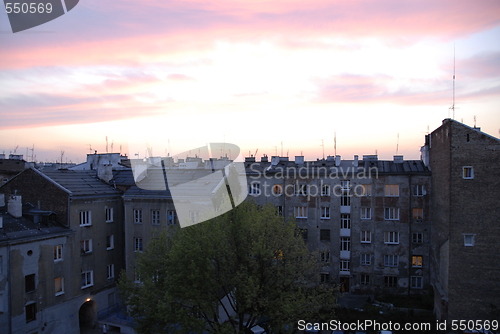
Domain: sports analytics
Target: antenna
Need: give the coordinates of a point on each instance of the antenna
(112, 143)
(397, 145)
(335, 142)
(453, 103)
(474, 121)
(106, 144)
(323, 144)
(90, 148)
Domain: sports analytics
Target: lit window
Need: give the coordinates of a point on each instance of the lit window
(418, 190)
(86, 246)
(345, 244)
(155, 217)
(418, 213)
(416, 261)
(111, 271)
(345, 220)
(110, 242)
(417, 282)
(468, 172)
(325, 190)
(87, 279)
(365, 259)
(277, 189)
(392, 190)
(417, 237)
(59, 286)
(57, 253)
(254, 188)
(85, 218)
(365, 279)
(366, 213)
(367, 189)
(171, 216)
(366, 237)
(138, 244)
(390, 281)
(324, 235)
(468, 239)
(300, 189)
(391, 260)
(391, 237)
(325, 212)
(109, 215)
(137, 216)
(391, 213)
(300, 211)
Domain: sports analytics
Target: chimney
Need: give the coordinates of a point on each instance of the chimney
(398, 159)
(355, 162)
(15, 206)
(264, 158)
(299, 159)
(105, 172)
(337, 160)
(371, 157)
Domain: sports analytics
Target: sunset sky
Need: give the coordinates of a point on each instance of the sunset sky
(251, 73)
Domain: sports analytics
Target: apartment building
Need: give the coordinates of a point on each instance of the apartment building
(465, 260)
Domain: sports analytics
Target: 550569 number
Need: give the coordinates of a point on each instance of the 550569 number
(25, 8)
(469, 325)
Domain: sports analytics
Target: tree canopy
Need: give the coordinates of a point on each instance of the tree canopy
(226, 275)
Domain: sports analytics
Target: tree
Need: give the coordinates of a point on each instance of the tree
(227, 275)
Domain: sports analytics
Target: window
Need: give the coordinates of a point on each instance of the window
(416, 261)
(345, 220)
(86, 246)
(29, 283)
(277, 189)
(87, 278)
(345, 200)
(57, 253)
(366, 189)
(366, 213)
(418, 214)
(365, 259)
(137, 244)
(300, 211)
(345, 184)
(418, 190)
(137, 216)
(345, 265)
(417, 237)
(59, 286)
(279, 210)
(111, 271)
(324, 235)
(31, 312)
(254, 188)
(391, 213)
(325, 190)
(468, 239)
(171, 217)
(417, 282)
(109, 215)
(325, 212)
(325, 256)
(345, 244)
(325, 277)
(110, 242)
(365, 279)
(366, 237)
(390, 281)
(85, 218)
(155, 217)
(468, 172)
(300, 189)
(391, 237)
(392, 190)
(391, 260)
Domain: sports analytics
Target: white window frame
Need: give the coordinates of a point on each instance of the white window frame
(417, 282)
(325, 190)
(366, 237)
(391, 279)
(367, 189)
(366, 213)
(469, 239)
(345, 244)
(467, 172)
(391, 260)
(138, 245)
(365, 279)
(87, 277)
(85, 217)
(325, 212)
(391, 237)
(58, 254)
(365, 259)
(345, 199)
(325, 256)
(345, 185)
(417, 237)
(155, 217)
(111, 242)
(254, 188)
(137, 216)
(60, 292)
(417, 261)
(345, 221)
(300, 211)
(391, 213)
(392, 190)
(171, 217)
(417, 213)
(300, 189)
(109, 215)
(418, 190)
(86, 246)
(345, 265)
(110, 271)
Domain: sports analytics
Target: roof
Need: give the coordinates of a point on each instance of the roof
(80, 182)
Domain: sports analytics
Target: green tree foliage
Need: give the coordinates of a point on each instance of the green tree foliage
(227, 275)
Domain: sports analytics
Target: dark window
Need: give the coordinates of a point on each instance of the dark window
(390, 281)
(30, 312)
(29, 283)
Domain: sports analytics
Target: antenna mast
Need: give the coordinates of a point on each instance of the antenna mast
(397, 145)
(335, 142)
(453, 101)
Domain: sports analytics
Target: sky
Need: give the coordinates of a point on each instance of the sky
(277, 77)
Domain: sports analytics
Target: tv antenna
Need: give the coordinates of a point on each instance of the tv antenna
(335, 142)
(397, 145)
(453, 101)
(323, 145)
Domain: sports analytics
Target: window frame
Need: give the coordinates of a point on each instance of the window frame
(417, 279)
(417, 261)
(300, 189)
(171, 217)
(325, 212)
(471, 242)
(365, 213)
(345, 265)
(89, 282)
(391, 190)
(85, 217)
(365, 259)
(137, 215)
(300, 211)
(417, 237)
(110, 271)
(58, 254)
(86, 246)
(418, 190)
(345, 220)
(391, 281)
(391, 213)
(109, 212)
(365, 237)
(155, 217)
(29, 283)
(325, 190)
(111, 243)
(138, 245)
(254, 188)
(391, 260)
(468, 172)
(365, 279)
(61, 291)
(345, 244)
(391, 237)
(417, 213)
(367, 190)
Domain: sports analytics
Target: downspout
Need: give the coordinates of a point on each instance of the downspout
(410, 238)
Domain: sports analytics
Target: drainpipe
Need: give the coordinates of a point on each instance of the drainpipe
(410, 238)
